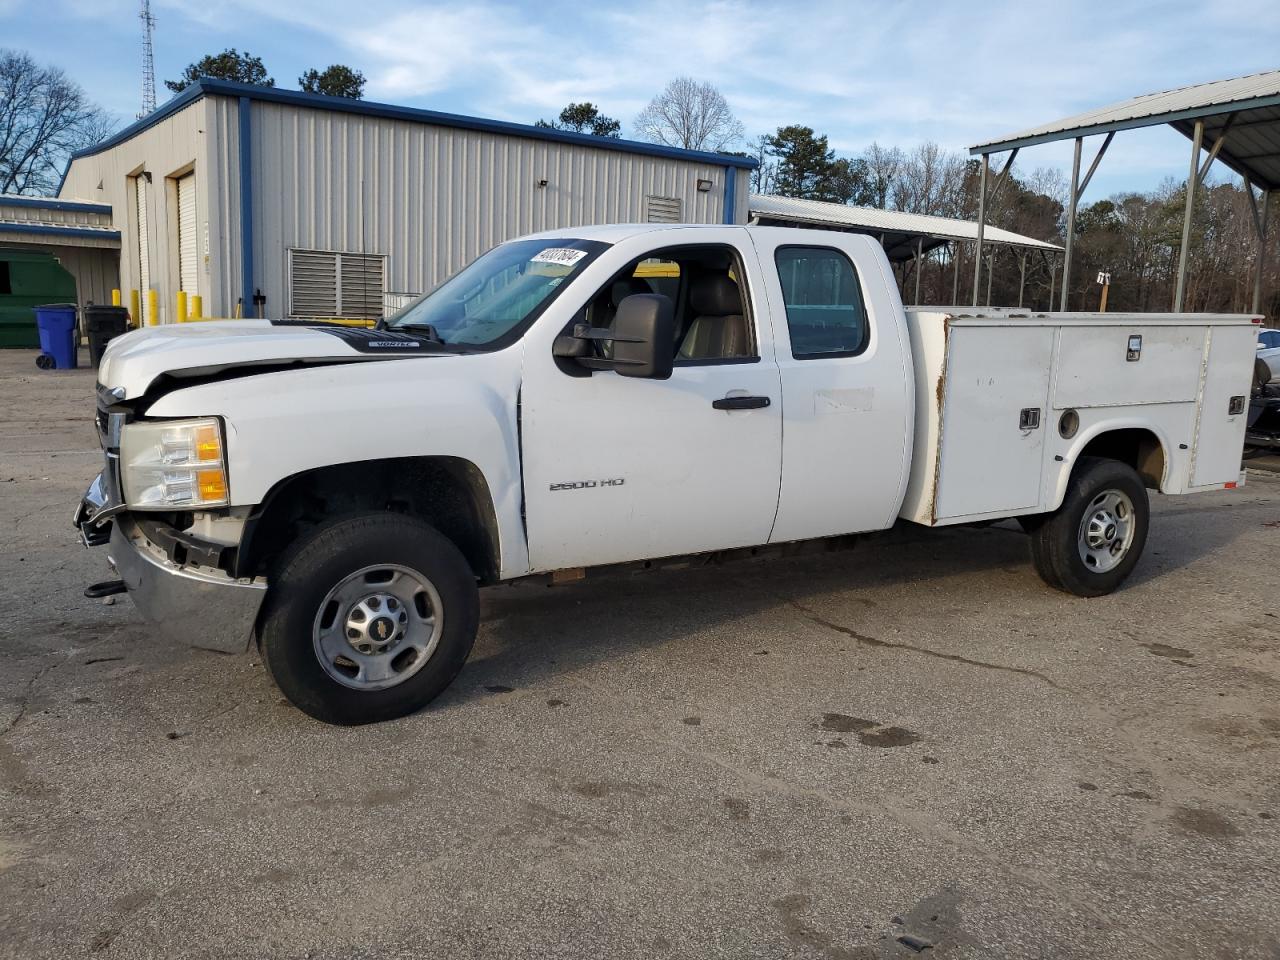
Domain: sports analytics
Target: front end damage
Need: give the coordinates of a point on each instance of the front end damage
(183, 583)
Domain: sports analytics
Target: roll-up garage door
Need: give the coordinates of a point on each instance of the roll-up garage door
(144, 252)
(188, 255)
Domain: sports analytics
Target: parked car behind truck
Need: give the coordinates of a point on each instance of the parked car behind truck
(604, 395)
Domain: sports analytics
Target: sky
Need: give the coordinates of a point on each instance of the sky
(900, 72)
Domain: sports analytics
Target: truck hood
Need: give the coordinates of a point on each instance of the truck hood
(132, 362)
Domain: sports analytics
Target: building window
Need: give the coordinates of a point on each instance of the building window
(323, 283)
(662, 209)
(825, 313)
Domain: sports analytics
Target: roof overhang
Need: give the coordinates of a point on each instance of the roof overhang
(902, 234)
(1244, 112)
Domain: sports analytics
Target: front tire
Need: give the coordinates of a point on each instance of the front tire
(1091, 544)
(368, 619)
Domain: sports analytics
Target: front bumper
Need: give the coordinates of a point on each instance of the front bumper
(199, 606)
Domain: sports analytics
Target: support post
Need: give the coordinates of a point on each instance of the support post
(1260, 225)
(1073, 198)
(1022, 276)
(919, 264)
(1180, 288)
(1262, 253)
(1052, 264)
(991, 272)
(955, 273)
(982, 220)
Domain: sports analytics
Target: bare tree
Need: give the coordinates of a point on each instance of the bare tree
(764, 178)
(44, 117)
(689, 114)
(883, 164)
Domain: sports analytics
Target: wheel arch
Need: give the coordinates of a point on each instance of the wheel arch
(1140, 444)
(450, 493)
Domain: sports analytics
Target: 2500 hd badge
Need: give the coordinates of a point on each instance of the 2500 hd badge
(588, 484)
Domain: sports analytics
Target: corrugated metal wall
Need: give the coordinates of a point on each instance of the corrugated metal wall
(429, 198)
(165, 150)
(434, 198)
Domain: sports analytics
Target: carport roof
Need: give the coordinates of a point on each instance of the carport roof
(900, 230)
(1245, 109)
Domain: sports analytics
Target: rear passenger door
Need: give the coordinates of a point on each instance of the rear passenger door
(847, 396)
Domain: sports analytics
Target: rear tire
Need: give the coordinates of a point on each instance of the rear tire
(368, 618)
(1091, 544)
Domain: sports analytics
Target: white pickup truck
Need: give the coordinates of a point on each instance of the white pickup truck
(607, 395)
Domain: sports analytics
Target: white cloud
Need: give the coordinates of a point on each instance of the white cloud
(900, 73)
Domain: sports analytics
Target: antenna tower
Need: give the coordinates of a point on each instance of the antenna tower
(148, 60)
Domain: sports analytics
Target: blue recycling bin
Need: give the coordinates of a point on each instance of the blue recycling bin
(57, 325)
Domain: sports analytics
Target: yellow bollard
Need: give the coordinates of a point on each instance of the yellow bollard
(180, 315)
(115, 298)
(197, 307)
(153, 308)
(135, 309)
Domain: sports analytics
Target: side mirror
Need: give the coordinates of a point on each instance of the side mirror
(642, 335)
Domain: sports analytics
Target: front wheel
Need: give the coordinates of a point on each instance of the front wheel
(368, 619)
(1091, 544)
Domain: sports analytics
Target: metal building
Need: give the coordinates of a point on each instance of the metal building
(80, 235)
(279, 203)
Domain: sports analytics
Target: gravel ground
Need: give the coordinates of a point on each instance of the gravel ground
(910, 747)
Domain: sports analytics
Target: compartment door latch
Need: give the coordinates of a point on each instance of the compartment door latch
(1029, 418)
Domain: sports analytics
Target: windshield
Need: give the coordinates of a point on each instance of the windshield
(492, 301)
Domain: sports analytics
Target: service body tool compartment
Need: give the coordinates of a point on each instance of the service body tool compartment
(992, 387)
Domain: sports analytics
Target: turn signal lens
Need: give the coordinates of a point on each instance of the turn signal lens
(211, 485)
(208, 444)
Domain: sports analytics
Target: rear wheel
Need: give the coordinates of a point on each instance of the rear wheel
(369, 619)
(1091, 544)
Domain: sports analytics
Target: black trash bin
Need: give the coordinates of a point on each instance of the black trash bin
(101, 324)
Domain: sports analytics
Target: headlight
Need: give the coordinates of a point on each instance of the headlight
(173, 464)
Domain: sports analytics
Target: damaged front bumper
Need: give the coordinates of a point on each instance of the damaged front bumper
(170, 576)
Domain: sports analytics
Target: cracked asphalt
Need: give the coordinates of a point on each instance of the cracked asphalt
(909, 749)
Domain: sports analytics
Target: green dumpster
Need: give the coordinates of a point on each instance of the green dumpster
(29, 278)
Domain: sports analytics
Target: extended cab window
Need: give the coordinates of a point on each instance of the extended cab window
(825, 312)
(704, 284)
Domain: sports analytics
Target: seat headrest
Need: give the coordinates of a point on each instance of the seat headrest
(626, 287)
(715, 295)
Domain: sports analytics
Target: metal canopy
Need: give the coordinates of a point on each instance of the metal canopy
(1237, 121)
(903, 235)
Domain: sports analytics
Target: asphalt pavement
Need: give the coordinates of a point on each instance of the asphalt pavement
(913, 748)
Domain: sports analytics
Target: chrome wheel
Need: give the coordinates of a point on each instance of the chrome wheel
(378, 627)
(1106, 530)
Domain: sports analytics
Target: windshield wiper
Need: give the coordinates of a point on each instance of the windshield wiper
(427, 330)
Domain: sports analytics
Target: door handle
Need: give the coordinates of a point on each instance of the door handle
(740, 403)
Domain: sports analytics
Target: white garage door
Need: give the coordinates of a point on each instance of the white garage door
(144, 252)
(188, 254)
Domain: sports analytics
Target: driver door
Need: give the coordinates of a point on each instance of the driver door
(618, 468)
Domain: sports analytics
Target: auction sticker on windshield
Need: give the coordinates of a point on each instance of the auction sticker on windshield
(563, 255)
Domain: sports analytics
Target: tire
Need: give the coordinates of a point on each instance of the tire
(1091, 544)
(395, 583)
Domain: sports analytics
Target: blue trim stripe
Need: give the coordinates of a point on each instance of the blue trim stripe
(45, 230)
(43, 203)
(730, 194)
(246, 205)
(317, 101)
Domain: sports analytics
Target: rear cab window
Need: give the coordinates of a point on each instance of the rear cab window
(826, 313)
